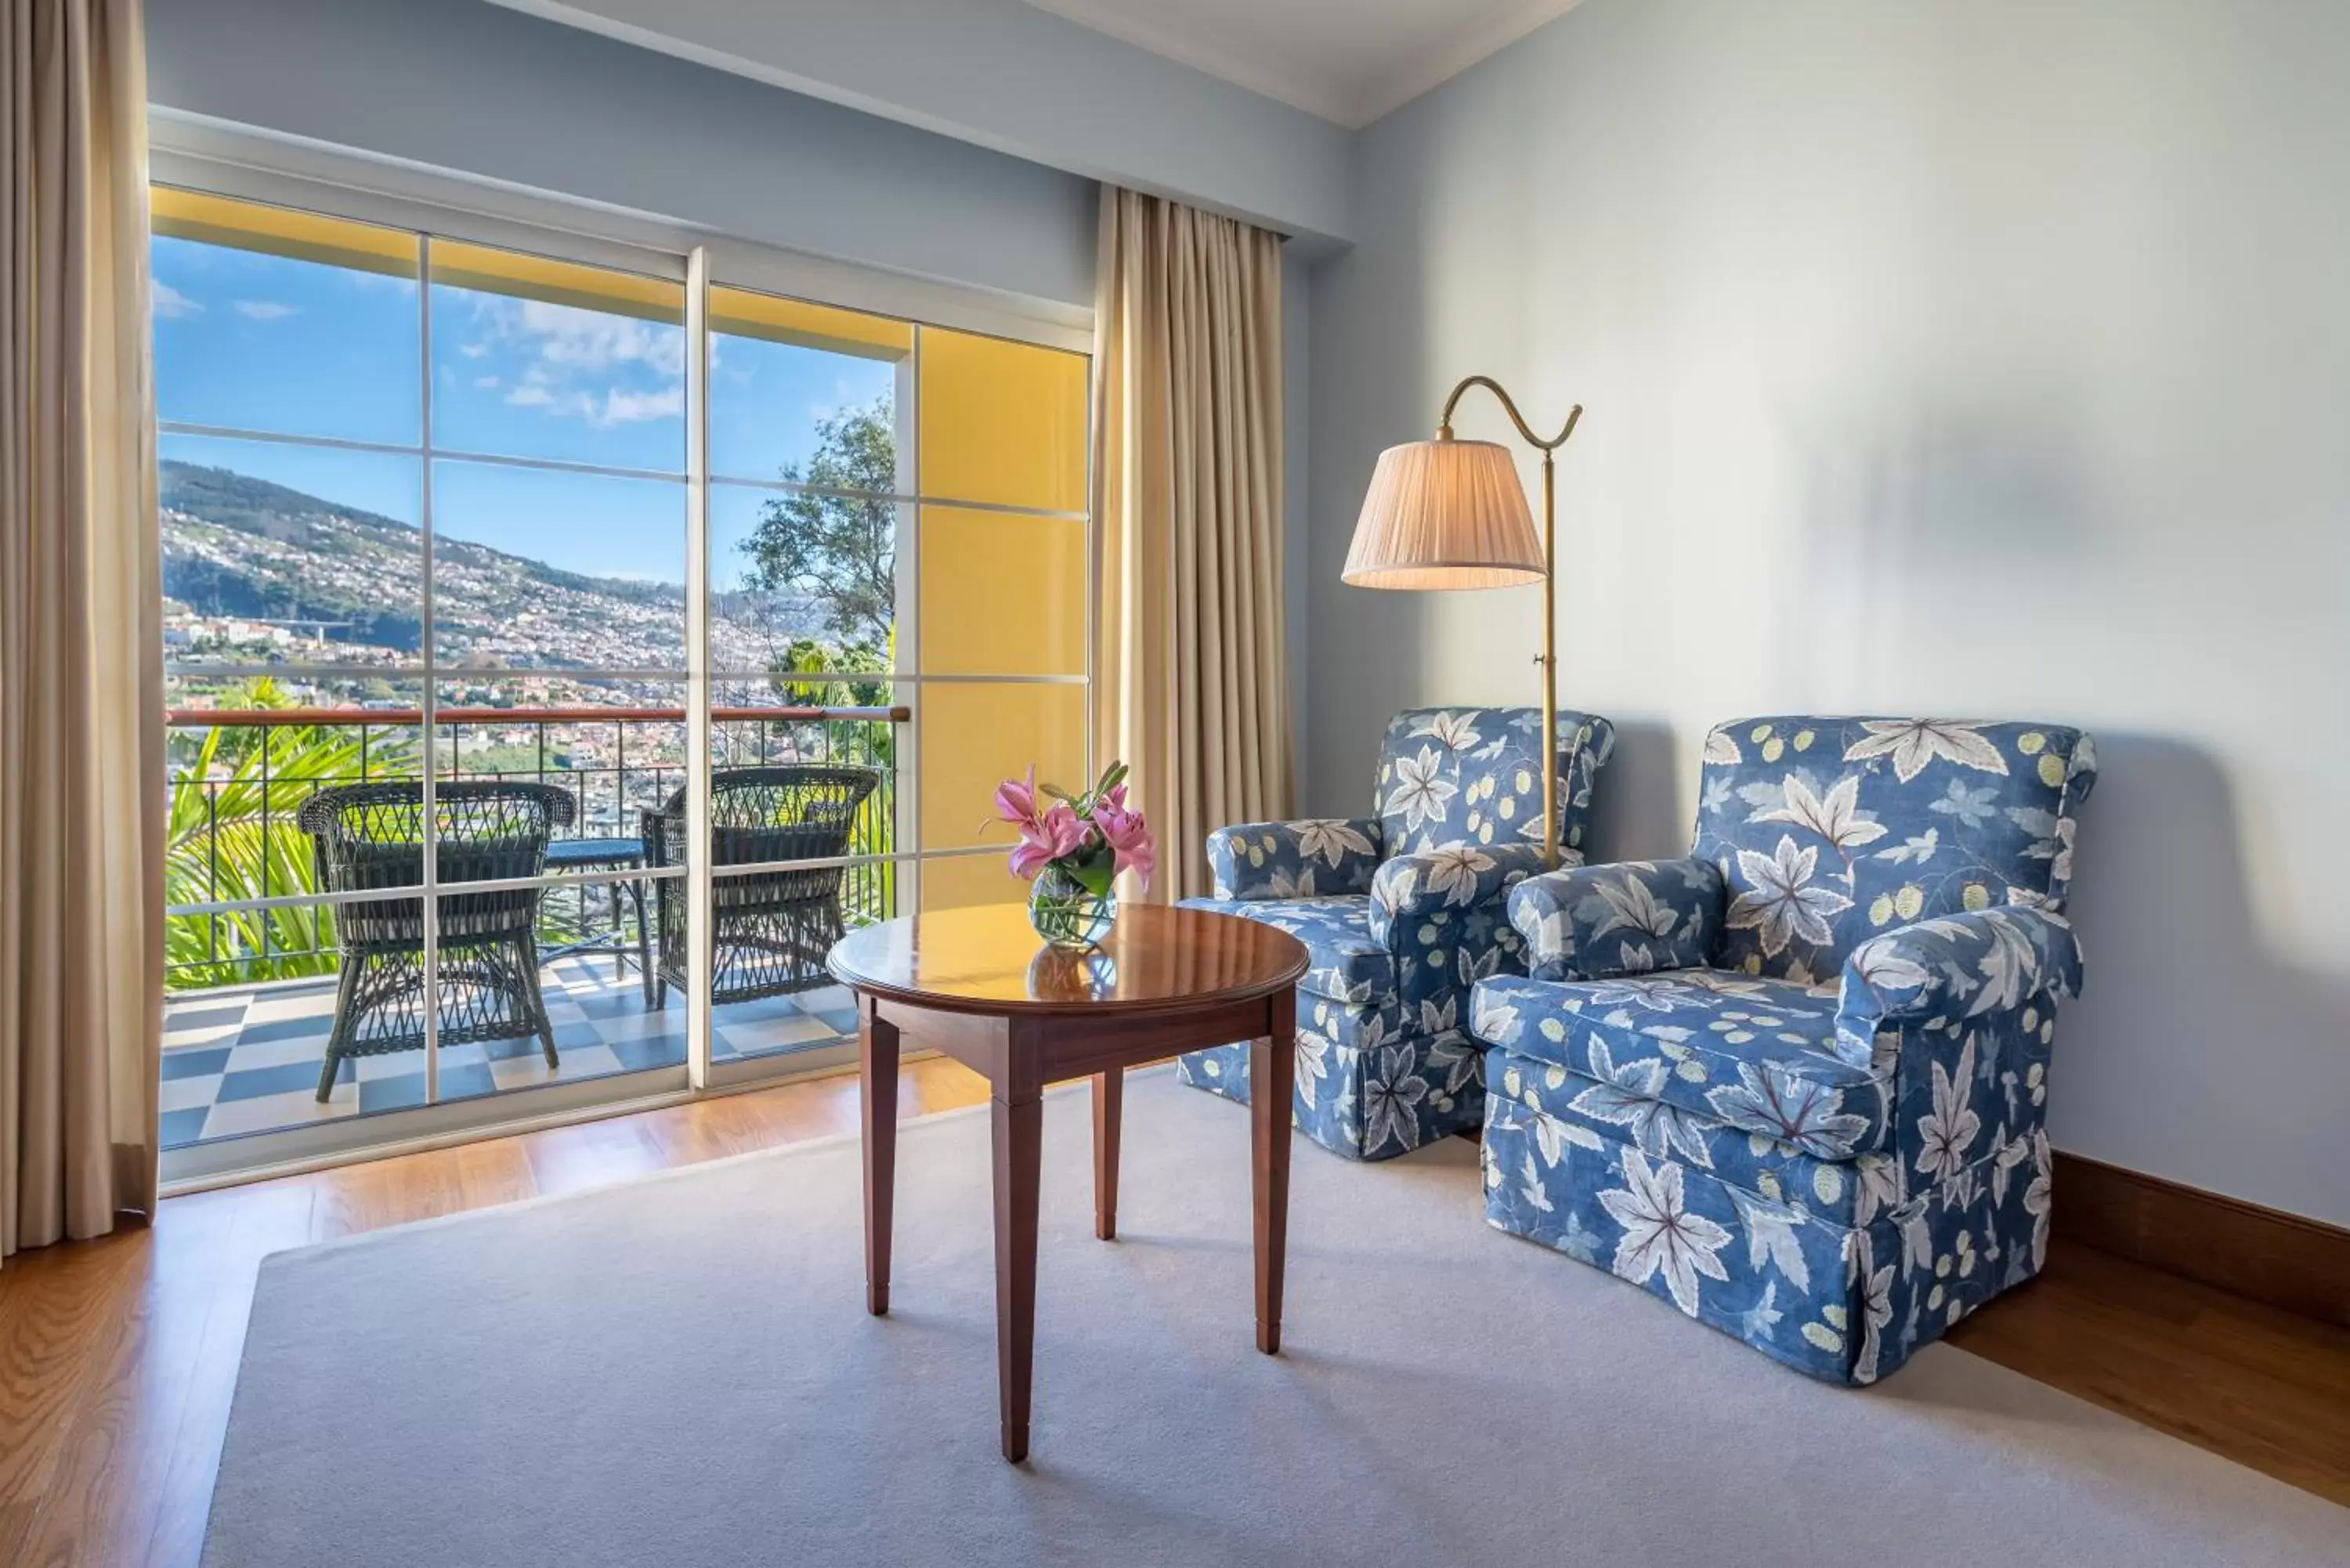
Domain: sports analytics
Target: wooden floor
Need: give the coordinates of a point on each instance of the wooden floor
(118, 1358)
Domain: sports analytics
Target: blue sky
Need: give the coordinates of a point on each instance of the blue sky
(258, 342)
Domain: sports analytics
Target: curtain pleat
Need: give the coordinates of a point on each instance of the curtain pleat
(81, 742)
(1190, 673)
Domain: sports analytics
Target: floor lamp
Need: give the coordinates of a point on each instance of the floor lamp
(1447, 514)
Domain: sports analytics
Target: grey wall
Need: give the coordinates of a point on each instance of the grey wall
(463, 86)
(1006, 75)
(1988, 359)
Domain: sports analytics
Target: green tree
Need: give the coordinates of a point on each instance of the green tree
(839, 550)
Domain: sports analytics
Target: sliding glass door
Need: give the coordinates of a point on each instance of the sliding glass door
(565, 646)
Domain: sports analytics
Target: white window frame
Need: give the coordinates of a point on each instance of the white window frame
(218, 160)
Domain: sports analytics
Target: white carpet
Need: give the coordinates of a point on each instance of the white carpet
(679, 1371)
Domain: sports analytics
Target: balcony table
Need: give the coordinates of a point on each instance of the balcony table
(979, 986)
(593, 853)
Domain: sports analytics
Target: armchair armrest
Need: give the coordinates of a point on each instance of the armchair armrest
(1314, 857)
(1456, 877)
(1631, 917)
(1951, 969)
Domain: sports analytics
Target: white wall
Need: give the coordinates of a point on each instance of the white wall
(1988, 359)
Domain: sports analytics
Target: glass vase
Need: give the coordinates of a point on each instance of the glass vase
(1068, 914)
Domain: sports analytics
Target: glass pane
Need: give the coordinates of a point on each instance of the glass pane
(533, 358)
(803, 582)
(269, 319)
(974, 737)
(1002, 594)
(1002, 422)
(616, 752)
(276, 553)
(244, 1055)
(964, 880)
(250, 995)
(805, 392)
(816, 726)
(534, 569)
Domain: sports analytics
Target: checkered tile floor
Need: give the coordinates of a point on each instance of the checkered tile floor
(247, 1060)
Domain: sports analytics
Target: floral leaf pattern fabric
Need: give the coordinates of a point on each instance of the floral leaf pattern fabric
(1631, 917)
(1402, 913)
(1828, 831)
(1755, 1053)
(1316, 857)
(1373, 1102)
(1473, 775)
(1825, 1133)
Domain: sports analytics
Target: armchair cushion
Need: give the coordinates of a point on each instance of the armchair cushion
(1349, 964)
(1316, 857)
(1949, 972)
(1633, 917)
(1751, 1054)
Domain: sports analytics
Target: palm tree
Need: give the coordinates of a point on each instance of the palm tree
(229, 836)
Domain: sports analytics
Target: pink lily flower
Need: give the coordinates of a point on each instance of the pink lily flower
(1128, 834)
(1047, 839)
(1015, 800)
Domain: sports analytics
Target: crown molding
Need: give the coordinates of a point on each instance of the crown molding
(1352, 106)
(1473, 45)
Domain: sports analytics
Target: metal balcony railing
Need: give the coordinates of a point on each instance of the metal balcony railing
(238, 776)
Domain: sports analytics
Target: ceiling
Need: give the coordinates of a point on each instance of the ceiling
(1349, 61)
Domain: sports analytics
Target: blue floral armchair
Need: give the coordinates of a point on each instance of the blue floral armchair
(1796, 1083)
(1401, 913)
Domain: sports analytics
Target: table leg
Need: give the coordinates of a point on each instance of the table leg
(1109, 1096)
(878, 1056)
(1273, 1079)
(644, 942)
(1018, 1146)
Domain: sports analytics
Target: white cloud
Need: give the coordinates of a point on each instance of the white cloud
(169, 304)
(265, 310)
(611, 407)
(473, 350)
(485, 382)
(585, 365)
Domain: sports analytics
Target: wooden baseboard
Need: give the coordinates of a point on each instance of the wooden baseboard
(2287, 1260)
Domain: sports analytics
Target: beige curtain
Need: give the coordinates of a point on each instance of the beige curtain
(1191, 683)
(81, 765)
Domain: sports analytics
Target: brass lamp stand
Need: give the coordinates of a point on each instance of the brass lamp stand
(1447, 514)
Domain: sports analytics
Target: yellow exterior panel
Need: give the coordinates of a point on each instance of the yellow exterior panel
(974, 737)
(970, 879)
(745, 314)
(1002, 594)
(1001, 423)
(462, 265)
(280, 231)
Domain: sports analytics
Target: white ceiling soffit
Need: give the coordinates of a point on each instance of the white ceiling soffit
(1348, 61)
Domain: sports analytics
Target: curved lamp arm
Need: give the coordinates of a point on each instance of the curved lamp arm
(1508, 404)
(1548, 657)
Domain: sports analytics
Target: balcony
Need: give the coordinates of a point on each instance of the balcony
(252, 963)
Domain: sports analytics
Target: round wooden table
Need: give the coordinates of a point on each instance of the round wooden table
(979, 986)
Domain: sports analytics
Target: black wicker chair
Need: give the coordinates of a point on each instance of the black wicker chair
(771, 929)
(370, 836)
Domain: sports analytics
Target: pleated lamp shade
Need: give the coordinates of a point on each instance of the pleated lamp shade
(1444, 515)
